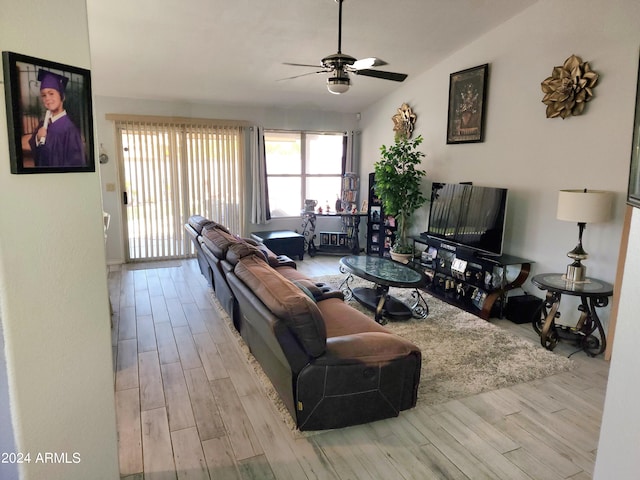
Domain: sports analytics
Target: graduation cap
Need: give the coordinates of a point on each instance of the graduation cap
(49, 79)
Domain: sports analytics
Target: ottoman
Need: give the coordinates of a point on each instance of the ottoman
(282, 242)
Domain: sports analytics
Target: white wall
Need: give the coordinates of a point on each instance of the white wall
(527, 153)
(619, 446)
(535, 157)
(8, 471)
(53, 288)
(268, 118)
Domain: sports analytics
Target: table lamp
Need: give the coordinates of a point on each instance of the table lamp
(582, 206)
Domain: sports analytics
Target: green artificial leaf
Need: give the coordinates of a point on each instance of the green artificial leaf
(398, 178)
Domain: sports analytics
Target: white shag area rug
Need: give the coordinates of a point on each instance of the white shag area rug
(462, 354)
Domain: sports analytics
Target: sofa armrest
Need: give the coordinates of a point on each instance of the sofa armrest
(284, 261)
(274, 260)
(361, 378)
(366, 348)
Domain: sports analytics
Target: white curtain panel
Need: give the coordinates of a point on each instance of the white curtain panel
(259, 200)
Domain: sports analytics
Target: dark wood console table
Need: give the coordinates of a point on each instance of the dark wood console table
(468, 279)
(593, 294)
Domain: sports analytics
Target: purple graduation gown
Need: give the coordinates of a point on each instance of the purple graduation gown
(63, 146)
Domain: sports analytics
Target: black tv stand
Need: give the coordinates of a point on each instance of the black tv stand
(468, 278)
(486, 254)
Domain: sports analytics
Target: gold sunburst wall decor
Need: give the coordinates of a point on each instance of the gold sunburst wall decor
(404, 121)
(569, 88)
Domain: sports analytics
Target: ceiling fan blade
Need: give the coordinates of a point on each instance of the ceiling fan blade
(302, 65)
(396, 77)
(302, 75)
(365, 63)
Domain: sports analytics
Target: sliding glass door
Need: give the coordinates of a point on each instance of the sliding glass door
(171, 171)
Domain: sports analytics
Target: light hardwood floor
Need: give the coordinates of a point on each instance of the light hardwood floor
(190, 407)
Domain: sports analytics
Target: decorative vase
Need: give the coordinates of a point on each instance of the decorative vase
(401, 257)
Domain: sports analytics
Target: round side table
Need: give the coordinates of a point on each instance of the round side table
(593, 294)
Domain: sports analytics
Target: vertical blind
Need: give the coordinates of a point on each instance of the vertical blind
(174, 168)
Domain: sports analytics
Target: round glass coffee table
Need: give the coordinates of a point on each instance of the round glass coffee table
(383, 273)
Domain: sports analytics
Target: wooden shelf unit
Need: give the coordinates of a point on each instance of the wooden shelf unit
(381, 228)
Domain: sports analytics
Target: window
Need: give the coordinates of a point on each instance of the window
(303, 165)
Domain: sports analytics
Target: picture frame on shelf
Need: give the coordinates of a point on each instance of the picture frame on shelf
(390, 221)
(375, 213)
(49, 116)
(467, 99)
(633, 190)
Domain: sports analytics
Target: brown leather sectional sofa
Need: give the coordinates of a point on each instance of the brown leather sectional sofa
(332, 365)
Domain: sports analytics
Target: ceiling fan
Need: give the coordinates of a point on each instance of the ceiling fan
(339, 65)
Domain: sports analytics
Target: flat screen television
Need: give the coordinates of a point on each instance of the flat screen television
(468, 215)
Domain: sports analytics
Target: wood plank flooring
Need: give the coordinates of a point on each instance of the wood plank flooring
(190, 407)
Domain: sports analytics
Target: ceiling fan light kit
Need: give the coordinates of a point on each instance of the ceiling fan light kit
(339, 65)
(339, 83)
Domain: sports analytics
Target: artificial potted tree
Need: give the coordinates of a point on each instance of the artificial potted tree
(397, 185)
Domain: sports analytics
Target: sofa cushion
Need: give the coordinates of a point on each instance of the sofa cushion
(198, 222)
(292, 274)
(341, 319)
(242, 249)
(316, 290)
(286, 301)
(308, 289)
(273, 259)
(217, 240)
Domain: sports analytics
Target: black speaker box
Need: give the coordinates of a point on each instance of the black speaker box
(522, 308)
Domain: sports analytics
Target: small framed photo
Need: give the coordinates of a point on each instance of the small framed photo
(49, 116)
(390, 221)
(467, 95)
(375, 214)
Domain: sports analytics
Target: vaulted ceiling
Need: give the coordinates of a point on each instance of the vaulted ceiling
(232, 52)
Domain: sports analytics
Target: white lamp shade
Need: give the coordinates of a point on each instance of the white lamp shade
(582, 206)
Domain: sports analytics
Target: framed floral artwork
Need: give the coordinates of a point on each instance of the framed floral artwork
(49, 116)
(467, 96)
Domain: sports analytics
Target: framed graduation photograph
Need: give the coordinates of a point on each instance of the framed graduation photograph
(49, 116)
(633, 192)
(467, 95)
